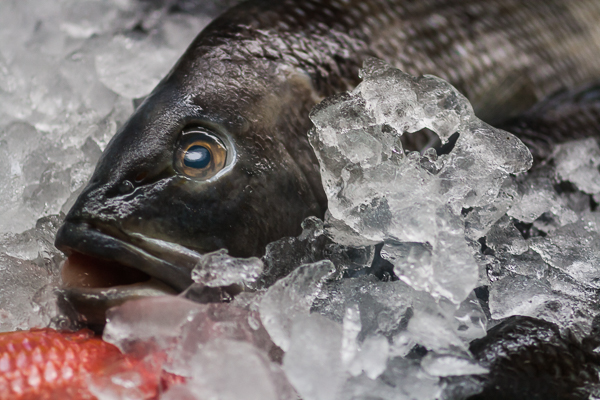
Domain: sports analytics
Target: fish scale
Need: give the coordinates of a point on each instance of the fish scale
(492, 52)
(46, 364)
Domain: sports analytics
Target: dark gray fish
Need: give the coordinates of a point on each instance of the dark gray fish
(217, 155)
(567, 115)
(530, 360)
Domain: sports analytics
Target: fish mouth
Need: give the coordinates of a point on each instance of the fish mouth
(106, 267)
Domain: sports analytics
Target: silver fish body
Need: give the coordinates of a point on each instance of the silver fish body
(248, 81)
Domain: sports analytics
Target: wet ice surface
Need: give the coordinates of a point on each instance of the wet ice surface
(322, 323)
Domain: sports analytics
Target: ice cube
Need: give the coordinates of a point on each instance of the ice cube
(232, 370)
(313, 362)
(157, 322)
(292, 297)
(286, 254)
(377, 193)
(574, 249)
(29, 270)
(578, 162)
(219, 269)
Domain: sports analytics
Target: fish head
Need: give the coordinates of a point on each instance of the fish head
(202, 164)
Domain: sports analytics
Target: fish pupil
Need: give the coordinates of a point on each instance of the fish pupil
(197, 157)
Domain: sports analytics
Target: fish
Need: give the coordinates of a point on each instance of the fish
(217, 155)
(48, 364)
(528, 358)
(570, 114)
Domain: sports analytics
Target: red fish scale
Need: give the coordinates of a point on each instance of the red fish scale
(46, 364)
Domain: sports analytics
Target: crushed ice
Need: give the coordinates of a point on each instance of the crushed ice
(380, 300)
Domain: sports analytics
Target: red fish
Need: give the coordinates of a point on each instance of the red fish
(47, 364)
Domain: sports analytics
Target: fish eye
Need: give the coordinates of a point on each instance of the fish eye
(200, 154)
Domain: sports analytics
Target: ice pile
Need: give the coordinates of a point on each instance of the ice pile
(222, 349)
(377, 301)
(69, 74)
(550, 270)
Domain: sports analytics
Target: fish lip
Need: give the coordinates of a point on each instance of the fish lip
(92, 240)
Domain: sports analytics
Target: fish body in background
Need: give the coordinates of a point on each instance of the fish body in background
(529, 359)
(217, 155)
(567, 115)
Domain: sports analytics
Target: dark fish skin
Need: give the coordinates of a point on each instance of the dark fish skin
(251, 78)
(530, 360)
(568, 115)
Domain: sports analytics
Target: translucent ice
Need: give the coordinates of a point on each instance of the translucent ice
(220, 269)
(232, 370)
(121, 61)
(221, 348)
(178, 326)
(157, 322)
(578, 162)
(377, 193)
(313, 361)
(286, 254)
(539, 197)
(29, 274)
(291, 298)
(574, 249)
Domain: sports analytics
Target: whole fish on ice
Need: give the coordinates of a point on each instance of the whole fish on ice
(217, 155)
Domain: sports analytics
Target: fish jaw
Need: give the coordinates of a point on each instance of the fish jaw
(83, 238)
(155, 276)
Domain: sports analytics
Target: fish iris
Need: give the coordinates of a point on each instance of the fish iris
(197, 157)
(200, 154)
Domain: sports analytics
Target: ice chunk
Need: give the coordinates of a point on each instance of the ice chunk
(158, 322)
(540, 197)
(479, 220)
(384, 307)
(371, 356)
(216, 322)
(544, 299)
(231, 370)
(505, 237)
(377, 193)
(219, 269)
(292, 297)
(431, 327)
(574, 249)
(469, 320)
(409, 381)
(179, 327)
(578, 162)
(313, 362)
(312, 245)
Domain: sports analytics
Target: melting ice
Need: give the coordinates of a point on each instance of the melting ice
(419, 253)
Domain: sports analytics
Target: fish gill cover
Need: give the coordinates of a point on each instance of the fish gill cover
(469, 239)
